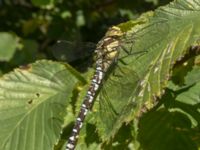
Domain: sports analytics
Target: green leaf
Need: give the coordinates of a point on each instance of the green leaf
(155, 2)
(164, 130)
(27, 54)
(8, 45)
(175, 126)
(192, 93)
(33, 101)
(193, 76)
(156, 41)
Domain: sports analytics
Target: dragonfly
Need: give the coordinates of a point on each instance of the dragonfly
(107, 52)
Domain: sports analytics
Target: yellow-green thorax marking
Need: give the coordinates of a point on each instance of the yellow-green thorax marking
(107, 52)
(107, 48)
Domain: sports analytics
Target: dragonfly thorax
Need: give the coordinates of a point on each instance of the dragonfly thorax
(107, 48)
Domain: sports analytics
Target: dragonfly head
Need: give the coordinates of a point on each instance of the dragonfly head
(114, 32)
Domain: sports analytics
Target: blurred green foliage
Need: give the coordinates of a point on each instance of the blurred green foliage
(36, 25)
(29, 31)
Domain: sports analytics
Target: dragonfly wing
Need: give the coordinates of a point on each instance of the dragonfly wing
(117, 92)
(131, 41)
(72, 51)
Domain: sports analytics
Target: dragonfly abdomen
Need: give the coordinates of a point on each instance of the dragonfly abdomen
(86, 105)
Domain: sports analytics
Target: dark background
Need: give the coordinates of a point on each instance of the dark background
(39, 24)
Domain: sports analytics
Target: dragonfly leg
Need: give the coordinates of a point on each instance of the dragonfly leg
(125, 50)
(121, 60)
(121, 72)
(139, 54)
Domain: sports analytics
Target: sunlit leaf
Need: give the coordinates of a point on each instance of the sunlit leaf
(33, 102)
